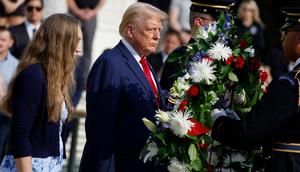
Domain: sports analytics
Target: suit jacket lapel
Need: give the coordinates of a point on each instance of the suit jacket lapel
(136, 69)
(26, 36)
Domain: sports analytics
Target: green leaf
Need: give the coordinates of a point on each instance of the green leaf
(173, 147)
(143, 151)
(255, 98)
(225, 70)
(203, 44)
(192, 137)
(243, 110)
(173, 57)
(197, 165)
(236, 52)
(246, 35)
(232, 76)
(161, 137)
(192, 152)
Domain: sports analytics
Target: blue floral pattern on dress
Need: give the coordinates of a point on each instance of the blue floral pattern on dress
(49, 164)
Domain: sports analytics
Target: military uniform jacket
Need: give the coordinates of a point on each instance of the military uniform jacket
(274, 119)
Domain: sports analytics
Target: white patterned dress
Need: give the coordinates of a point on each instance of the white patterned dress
(49, 164)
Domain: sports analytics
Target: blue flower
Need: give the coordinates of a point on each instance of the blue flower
(223, 38)
(227, 23)
(199, 55)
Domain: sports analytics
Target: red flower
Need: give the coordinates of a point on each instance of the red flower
(193, 91)
(263, 76)
(265, 90)
(197, 129)
(229, 60)
(207, 58)
(239, 63)
(203, 145)
(182, 105)
(243, 44)
(254, 64)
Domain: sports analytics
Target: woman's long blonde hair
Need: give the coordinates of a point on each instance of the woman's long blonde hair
(256, 13)
(53, 47)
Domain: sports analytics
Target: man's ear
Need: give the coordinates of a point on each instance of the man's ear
(198, 22)
(130, 31)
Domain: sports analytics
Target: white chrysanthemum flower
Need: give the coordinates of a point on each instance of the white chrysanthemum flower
(179, 123)
(162, 116)
(187, 76)
(203, 71)
(180, 86)
(214, 98)
(152, 151)
(219, 51)
(176, 166)
(250, 50)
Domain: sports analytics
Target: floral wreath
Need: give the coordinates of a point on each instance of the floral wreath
(220, 70)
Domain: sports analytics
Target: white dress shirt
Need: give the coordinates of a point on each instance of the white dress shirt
(137, 57)
(30, 28)
(164, 56)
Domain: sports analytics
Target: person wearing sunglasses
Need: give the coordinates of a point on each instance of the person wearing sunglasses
(24, 32)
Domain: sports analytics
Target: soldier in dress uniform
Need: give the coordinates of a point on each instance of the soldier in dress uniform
(275, 121)
(202, 12)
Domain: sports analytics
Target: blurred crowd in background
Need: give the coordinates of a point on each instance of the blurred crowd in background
(20, 19)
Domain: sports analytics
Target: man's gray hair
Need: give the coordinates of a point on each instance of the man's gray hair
(139, 10)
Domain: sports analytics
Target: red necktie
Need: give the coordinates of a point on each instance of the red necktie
(147, 73)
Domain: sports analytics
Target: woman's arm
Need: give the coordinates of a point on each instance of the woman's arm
(24, 164)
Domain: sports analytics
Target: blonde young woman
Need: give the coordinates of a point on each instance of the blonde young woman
(249, 20)
(38, 97)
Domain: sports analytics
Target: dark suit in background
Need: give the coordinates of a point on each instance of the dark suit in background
(21, 39)
(118, 97)
(156, 61)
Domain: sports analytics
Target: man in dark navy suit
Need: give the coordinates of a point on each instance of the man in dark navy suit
(24, 32)
(121, 90)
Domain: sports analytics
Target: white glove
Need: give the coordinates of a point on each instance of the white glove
(231, 114)
(217, 113)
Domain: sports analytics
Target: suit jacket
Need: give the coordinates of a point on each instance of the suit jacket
(118, 97)
(156, 61)
(275, 118)
(21, 40)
